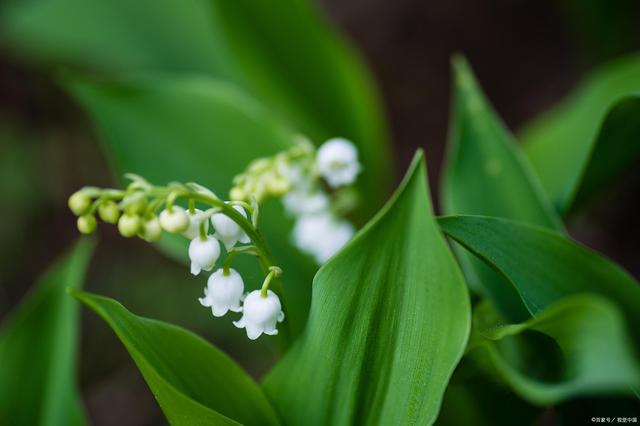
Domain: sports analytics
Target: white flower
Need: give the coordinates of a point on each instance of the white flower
(337, 162)
(260, 314)
(174, 221)
(227, 230)
(203, 253)
(195, 219)
(302, 202)
(321, 235)
(223, 292)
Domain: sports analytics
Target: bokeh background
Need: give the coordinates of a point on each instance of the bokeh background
(527, 55)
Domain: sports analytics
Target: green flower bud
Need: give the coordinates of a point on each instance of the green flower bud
(109, 212)
(137, 207)
(79, 202)
(87, 224)
(151, 230)
(129, 225)
(278, 186)
(237, 194)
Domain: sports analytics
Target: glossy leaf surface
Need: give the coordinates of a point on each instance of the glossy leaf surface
(486, 174)
(194, 383)
(544, 266)
(388, 324)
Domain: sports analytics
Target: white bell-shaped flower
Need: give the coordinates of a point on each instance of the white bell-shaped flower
(337, 162)
(321, 235)
(174, 220)
(303, 202)
(223, 293)
(260, 314)
(227, 230)
(195, 219)
(203, 253)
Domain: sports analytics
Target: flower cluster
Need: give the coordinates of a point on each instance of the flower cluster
(312, 184)
(135, 209)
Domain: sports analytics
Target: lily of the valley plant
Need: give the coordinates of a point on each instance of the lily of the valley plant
(298, 176)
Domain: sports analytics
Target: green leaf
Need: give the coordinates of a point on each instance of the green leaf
(388, 324)
(590, 136)
(486, 174)
(594, 355)
(38, 349)
(193, 382)
(544, 266)
(202, 130)
(257, 46)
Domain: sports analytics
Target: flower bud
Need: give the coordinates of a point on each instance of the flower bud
(237, 194)
(277, 185)
(129, 225)
(223, 292)
(137, 207)
(87, 224)
(79, 202)
(203, 253)
(151, 230)
(260, 314)
(337, 162)
(175, 220)
(195, 219)
(109, 212)
(227, 230)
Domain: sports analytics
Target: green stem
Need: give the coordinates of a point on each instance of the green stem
(265, 259)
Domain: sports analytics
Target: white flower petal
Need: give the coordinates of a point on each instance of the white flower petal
(203, 254)
(227, 230)
(195, 219)
(225, 291)
(321, 235)
(260, 314)
(337, 162)
(219, 310)
(253, 331)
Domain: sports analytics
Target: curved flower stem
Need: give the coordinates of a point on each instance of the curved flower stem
(265, 259)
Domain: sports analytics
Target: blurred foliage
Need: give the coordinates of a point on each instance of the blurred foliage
(193, 91)
(38, 349)
(590, 137)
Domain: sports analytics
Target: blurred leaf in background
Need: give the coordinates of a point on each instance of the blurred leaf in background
(589, 137)
(282, 54)
(38, 349)
(388, 324)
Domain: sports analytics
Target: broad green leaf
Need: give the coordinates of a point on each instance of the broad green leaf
(543, 265)
(594, 354)
(38, 349)
(486, 174)
(202, 130)
(282, 53)
(193, 382)
(590, 136)
(389, 322)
